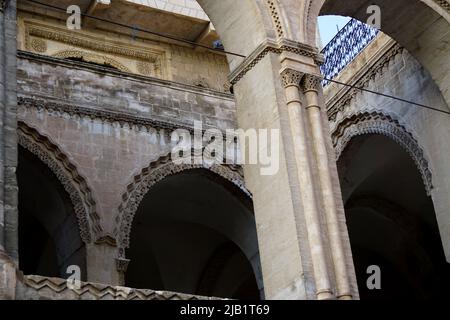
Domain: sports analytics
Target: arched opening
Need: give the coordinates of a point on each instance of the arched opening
(420, 26)
(49, 237)
(391, 221)
(191, 235)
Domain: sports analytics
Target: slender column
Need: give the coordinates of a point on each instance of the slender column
(311, 85)
(291, 81)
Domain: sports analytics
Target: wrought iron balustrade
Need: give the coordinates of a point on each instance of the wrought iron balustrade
(344, 47)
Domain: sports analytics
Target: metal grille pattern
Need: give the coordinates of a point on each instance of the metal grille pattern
(344, 47)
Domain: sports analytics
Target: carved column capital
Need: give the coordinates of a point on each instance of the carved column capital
(122, 265)
(311, 83)
(291, 77)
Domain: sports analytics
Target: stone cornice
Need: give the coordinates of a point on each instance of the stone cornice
(270, 46)
(102, 115)
(124, 75)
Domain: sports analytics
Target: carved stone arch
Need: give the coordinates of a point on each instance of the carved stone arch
(91, 57)
(66, 172)
(155, 172)
(379, 123)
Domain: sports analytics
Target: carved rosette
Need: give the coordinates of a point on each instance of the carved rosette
(311, 83)
(39, 45)
(290, 77)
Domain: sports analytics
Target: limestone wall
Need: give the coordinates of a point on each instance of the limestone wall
(387, 68)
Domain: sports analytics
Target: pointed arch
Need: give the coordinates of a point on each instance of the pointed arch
(378, 123)
(155, 172)
(66, 172)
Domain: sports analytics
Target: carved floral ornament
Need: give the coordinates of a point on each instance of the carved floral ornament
(74, 184)
(147, 61)
(379, 123)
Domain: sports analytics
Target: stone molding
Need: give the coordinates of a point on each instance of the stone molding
(56, 288)
(113, 118)
(117, 73)
(378, 123)
(274, 13)
(66, 172)
(278, 48)
(157, 171)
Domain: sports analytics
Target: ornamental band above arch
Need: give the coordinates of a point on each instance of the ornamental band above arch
(382, 124)
(66, 172)
(156, 171)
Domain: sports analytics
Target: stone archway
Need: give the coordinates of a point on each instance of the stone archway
(74, 184)
(223, 231)
(149, 176)
(379, 123)
(391, 220)
(410, 23)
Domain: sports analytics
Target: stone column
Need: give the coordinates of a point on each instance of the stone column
(8, 150)
(311, 87)
(291, 82)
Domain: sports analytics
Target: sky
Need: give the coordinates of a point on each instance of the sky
(328, 27)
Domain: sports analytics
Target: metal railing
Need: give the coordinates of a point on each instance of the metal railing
(344, 47)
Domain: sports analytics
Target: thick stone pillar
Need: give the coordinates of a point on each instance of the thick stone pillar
(304, 247)
(8, 150)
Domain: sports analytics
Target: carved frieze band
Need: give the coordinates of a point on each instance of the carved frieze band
(150, 176)
(152, 59)
(51, 288)
(74, 184)
(379, 123)
(272, 47)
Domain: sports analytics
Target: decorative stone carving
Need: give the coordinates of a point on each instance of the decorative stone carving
(311, 83)
(151, 175)
(91, 57)
(106, 239)
(290, 77)
(379, 123)
(39, 45)
(275, 17)
(74, 184)
(145, 68)
(80, 40)
(283, 45)
(122, 265)
(54, 288)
